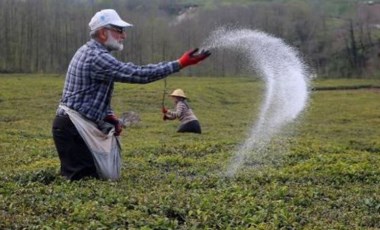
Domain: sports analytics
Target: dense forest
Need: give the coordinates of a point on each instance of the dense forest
(335, 38)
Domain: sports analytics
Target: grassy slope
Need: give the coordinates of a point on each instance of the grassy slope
(328, 178)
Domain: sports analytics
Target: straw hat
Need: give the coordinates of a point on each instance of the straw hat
(178, 93)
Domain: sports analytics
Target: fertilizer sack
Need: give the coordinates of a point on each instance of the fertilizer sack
(105, 147)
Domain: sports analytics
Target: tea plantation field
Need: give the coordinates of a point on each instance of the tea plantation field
(326, 173)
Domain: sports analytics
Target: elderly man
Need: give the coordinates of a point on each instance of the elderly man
(86, 98)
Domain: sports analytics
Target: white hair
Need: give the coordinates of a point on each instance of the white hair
(94, 33)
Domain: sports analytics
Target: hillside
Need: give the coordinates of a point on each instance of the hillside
(333, 8)
(336, 38)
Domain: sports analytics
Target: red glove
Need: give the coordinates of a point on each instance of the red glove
(164, 110)
(191, 57)
(115, 121)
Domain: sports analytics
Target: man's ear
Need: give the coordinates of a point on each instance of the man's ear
(102, 35)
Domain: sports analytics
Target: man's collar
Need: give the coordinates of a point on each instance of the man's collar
(97, 44)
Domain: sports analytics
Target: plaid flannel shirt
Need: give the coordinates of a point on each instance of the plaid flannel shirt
(91, 75)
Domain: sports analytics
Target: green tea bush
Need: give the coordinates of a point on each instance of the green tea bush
(324, 174)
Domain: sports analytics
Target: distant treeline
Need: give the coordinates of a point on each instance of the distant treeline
(42, 35)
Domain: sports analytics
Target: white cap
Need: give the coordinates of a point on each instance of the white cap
(107, 17)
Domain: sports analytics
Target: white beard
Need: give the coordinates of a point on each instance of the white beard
(112, 44)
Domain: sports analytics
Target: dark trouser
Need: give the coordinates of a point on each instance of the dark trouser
(190, 127)
(76, 159)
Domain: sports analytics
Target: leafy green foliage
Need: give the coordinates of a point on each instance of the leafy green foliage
(328, 175)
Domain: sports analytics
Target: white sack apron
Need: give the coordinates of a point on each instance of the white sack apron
(105, 148)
